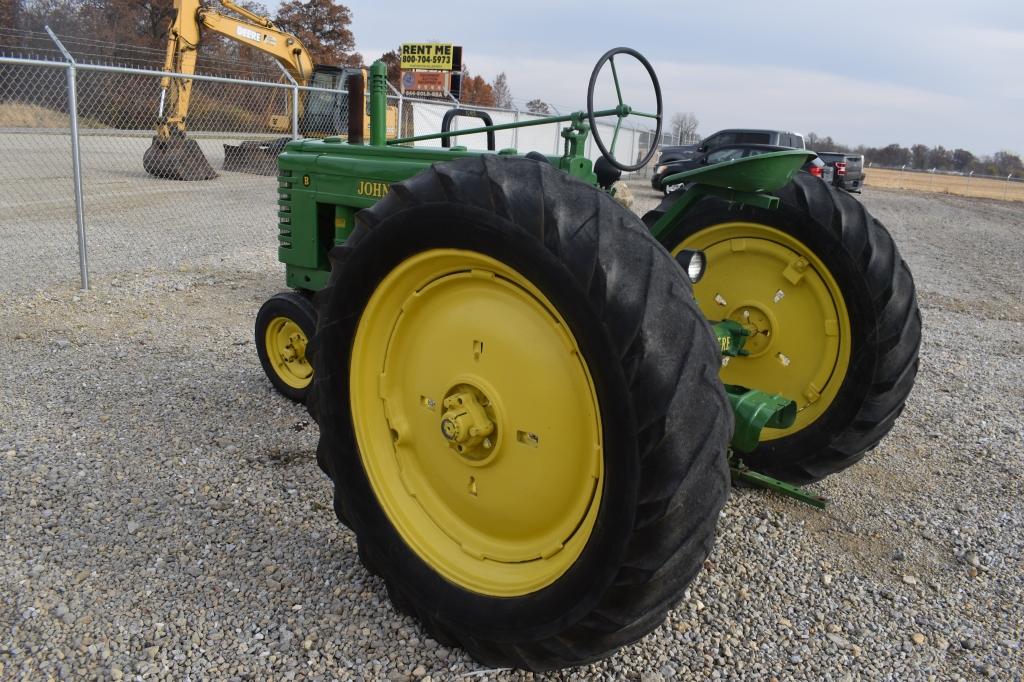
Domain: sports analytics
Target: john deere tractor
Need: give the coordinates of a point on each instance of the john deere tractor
(531, 402)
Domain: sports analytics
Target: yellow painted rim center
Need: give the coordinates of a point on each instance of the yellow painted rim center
(285, 344)
(477, 422)
(775, 285)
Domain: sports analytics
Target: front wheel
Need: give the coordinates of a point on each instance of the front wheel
(834, 313)
(284, 325)
(530, 451)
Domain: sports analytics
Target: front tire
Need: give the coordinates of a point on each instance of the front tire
(284, 325)
(530, 451)
(836, 311)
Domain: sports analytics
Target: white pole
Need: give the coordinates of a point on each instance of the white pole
(1007, 188)
(295, 110)
(76, 164)
(295, 101)
(401, 102)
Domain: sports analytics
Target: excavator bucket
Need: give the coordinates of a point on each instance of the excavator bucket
(258, 158)
(177, 158)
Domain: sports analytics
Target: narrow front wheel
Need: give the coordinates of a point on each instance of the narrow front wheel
(284, 326)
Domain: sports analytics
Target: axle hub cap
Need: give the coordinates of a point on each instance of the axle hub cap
(759, 322)
(286, 350)
(466, 423)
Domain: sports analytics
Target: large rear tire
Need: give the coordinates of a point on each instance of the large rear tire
(835, 305)
(519, 406)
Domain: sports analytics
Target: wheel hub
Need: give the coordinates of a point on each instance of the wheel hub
(286, 350)
(466, 423)
(760, 323)
(295, 349)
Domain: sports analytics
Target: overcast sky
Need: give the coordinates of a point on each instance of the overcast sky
(863, 71)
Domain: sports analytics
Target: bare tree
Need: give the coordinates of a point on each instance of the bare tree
(10, 11)
(537, 106)
(919, 155)
(684, 125)
(502, 93)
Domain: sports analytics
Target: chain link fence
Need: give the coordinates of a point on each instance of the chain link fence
(427, 117)
(100, 147)
(130, 219)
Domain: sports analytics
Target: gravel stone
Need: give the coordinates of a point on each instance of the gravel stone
(163, 513)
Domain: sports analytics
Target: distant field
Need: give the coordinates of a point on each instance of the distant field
(949, 184)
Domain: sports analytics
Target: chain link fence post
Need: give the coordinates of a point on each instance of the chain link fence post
(76, 162)
(398, 107)
(401, 113)
(295, 101)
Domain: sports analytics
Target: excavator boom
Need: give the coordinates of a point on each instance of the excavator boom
(172, 155)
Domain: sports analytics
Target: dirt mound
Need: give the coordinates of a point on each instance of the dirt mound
(22, 115)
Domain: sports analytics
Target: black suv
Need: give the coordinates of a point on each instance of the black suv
(744, 136)
(673, 159)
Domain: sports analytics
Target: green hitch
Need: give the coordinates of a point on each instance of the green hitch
(741, 472)
(756, 410)
(379, 104)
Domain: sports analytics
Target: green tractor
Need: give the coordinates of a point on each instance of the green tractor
(531, 402)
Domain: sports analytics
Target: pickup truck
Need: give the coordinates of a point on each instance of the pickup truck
(849, 169)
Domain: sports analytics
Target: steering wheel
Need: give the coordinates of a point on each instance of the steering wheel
(623, 110)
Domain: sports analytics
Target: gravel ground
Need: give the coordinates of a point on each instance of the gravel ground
(162, 516)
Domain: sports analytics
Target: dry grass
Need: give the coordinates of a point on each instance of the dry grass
(986, 188)
(22, 115)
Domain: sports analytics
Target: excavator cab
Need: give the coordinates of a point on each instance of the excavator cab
(321, 114)
(326, 113)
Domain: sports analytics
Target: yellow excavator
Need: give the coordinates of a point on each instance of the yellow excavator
(174, 156)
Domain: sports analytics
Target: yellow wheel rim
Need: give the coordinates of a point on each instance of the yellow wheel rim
(771, 282)
(477, 422)
(286, 350)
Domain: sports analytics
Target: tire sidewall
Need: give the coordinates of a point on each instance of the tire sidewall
(456, 226)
